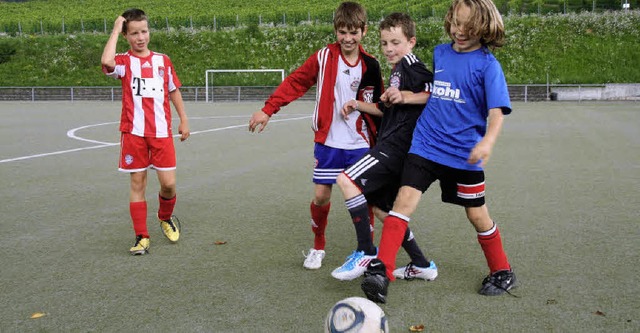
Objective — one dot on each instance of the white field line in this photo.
(72, 134)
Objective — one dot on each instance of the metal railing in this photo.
(519, 92)
(60, 25)
(190, 94)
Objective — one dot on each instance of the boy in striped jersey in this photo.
(375, 178)
(149, 84)
(342, 71)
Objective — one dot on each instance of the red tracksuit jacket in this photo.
(322, 68)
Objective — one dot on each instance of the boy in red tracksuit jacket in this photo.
(343, 71)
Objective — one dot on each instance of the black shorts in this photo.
(459, 187)
(377, 174)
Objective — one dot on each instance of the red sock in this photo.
(393, 230)
(165, 208)
(491, 244)
(319, 221)
(138, 211)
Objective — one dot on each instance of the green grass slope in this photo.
(49, 15)
(575, 48)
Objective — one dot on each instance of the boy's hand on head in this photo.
(119, 24)
(258, 118)
(481, 152)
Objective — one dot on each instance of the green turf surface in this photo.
(562, 185)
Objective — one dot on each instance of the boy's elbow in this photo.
(108, 62)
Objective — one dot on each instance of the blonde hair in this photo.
(485, 21)
(350, 15)
(402, 21)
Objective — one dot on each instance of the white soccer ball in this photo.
(356, 315)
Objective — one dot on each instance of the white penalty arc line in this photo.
(71, 134)
(245, 125)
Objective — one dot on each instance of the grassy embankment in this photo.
(576, 48)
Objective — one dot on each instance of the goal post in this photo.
(210, 73)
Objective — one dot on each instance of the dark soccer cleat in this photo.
(375, 282)
(498, 283)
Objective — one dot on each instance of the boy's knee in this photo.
(168, 190)
(321, 198)
(479, 218)
(407, 200)
(343, 181)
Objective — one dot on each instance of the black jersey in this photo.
(398, 122)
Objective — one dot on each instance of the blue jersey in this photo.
(466, 85)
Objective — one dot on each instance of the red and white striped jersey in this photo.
(146, 83)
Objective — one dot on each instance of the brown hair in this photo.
(401, 20)
(133, 14)
(350, 15)
(484, 22)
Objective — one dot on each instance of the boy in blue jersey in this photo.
(375, 178)
(452, 141)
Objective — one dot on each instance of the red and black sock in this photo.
(360, 215)
(410, 245)
(165, 207)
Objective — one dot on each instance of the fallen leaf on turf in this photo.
(220, 242)
(599, 313)
(416, 328)
(37, 315)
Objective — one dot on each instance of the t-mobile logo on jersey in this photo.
(442, 90)
(137, 86)
(147, 87)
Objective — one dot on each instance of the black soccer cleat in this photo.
(375, 282)
(498, 283)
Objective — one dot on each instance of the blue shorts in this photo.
(330, 162)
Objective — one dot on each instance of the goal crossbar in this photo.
(213, 71)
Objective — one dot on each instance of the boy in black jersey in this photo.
(375, 178)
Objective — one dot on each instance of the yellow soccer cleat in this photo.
(140, 247)
(171, 228)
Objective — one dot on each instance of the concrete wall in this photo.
(617, 91)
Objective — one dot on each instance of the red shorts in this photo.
(140, 153)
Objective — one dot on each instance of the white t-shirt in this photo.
(344, 134)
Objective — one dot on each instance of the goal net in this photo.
(240, 84)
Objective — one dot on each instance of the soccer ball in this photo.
(356, 315)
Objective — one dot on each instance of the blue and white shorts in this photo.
(330, 162)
